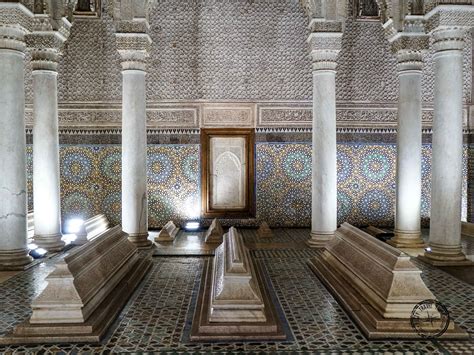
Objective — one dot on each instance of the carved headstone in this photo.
(235, 296)
(215, 232)
(85, 292)
(264, 231)
(377, 284)
(168, 233)
(91, 228)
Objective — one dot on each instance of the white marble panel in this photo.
(228, 183)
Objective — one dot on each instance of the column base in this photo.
(406, 239)
(15, 259)
(318, 239)
(445, 255)
(140, 240)
(50, 242)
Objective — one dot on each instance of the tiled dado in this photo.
(366, 183)
(91, 182)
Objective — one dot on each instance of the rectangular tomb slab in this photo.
(85, 292)
(233, 302)
(377, 284)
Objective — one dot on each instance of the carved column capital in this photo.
(133, 49)
(12, 37)
(409, 60)
(45, 43)
(448, 38)
(325, 47)
(15, 23)
(324, 59)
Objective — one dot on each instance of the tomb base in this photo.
(94, 328)
(331, 268)
(204, 330)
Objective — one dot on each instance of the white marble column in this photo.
(408, 195)
(324, 173)
(134, 145)
(46, 178)
(446, 170)
(13, 199)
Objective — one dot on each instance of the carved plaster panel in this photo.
(94, 116)
(228, 51)
(223, 115)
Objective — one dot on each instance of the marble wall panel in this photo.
(91, 182)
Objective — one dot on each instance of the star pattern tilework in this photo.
(91, 183)
(366, 176)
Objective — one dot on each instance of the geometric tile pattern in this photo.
(366, 183)
(156, 316)
(173, 183)
(91, 183)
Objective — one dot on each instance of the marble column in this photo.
(46, 178)
(446, 181)
(13, 199)
(408, 195)
(134, 146)
(324, 172)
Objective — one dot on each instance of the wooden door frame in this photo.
(249, 136)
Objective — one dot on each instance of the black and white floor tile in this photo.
(154, 320)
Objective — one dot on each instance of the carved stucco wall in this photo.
(226, 50)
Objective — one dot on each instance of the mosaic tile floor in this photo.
(155, 317)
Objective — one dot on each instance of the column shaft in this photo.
(324, 174)
(13, 199)
(134, 153)
(408, 196)
(46, 178)
(446, 170)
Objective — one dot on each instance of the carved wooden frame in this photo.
(206, 208)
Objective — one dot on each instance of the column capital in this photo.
(45, 44)
(448, 38)
(409, 60)
(12, 37)
(325, 47)
(409, 48)
(324, 59)
(131, 26)
(133, 49)
(15, 22)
